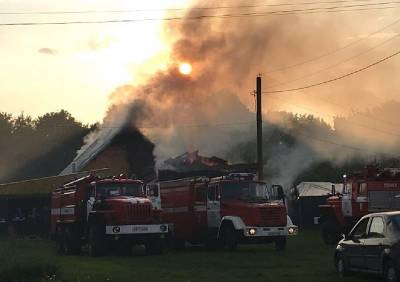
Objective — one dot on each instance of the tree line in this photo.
(38, 147)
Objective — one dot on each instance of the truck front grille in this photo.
(273, 216)
(139, 211)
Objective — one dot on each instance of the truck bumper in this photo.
(258, 232)
(136, 229)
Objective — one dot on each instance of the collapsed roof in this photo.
(315, 189)
(193, 161)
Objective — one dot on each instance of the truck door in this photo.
(347, 207)
(90, 201)
(153, 193)
(213, 206)
(200, 206)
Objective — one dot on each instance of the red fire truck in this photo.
(105, 213)
(372, 190)
(224, 211)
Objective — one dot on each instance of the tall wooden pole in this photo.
(260, 163)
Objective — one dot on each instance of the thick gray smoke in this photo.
(212, 110)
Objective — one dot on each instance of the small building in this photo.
(305, 199)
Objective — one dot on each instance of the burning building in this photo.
(120, 150)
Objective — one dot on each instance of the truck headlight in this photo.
(163, 228)
(292, 230)
(252, 231)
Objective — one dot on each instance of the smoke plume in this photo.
(212, 109)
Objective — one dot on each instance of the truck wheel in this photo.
(177, 244)
(96, 241)
(341, 266)
(330, 233)
(390, 273)
(211, 244)
(229, 239)
(60, 240)
(71, 241)
(11, 230)
(280, 243)
(121, 248)
(154, 246)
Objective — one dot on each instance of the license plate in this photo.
(140, 229)
(274, 233)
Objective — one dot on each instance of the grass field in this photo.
(306, 259)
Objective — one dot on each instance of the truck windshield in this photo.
(244, 191)
(119, 189)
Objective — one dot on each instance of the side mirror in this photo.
(355, 238)
(155, 191)
(152, 190)
(101, 198)
(281, 194)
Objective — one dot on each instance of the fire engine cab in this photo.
(105, 213)
(224, 211)
(372, 190)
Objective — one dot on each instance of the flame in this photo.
(185, 68)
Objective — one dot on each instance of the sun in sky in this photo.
(185, 68)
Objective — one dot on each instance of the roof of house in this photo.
(100, 140)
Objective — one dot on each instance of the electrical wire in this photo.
(334, 79)
(182, 9)
(331, 142)
(333, 116)
(230, 124)
(220, 16)
(332, 52)
(335, 64)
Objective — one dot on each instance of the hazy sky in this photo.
(75, 67)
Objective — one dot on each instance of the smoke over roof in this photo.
(212, 110)
(91, 150)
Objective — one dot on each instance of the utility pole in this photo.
(260, 163)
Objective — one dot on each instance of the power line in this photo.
(336, 78)
(336, 64)
(181, 9)
(348, 121)
(330, 142)
(168, 126)
(361, 113)
(333, 51)
(223, 125)
(384, 121)
(336, 11)
(220, 16)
